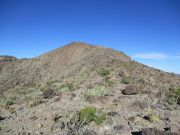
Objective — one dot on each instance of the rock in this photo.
(118, 127)
(175, 128)
(72, 95)
(62, 125)
(130, 90)
(48, 93)
(58, 127)
(2, 118)
(167, 129)
(89, 132)
(121, 74)
(178, 101)
(58, 97)
(57, 117)
(105, 130)
(136, 133)
(152, 131)
(40, 125)
(112, 114)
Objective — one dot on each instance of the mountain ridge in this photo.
(45, 90)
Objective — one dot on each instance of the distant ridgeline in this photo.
(4, 58)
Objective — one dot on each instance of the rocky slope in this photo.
(85, 89)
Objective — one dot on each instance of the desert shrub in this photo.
(126, 80)
(67, 87)
(35, 101)
(6, 102)
(36, 93)
(174, 96)
(177, 93)
(49, 83)
(104, 72)
(108, 82)
(77, 122)
(98, 91)
(75, 125)
(144, 104)
(90, 114)
(141, 81)
(153, 116)
(161, 92)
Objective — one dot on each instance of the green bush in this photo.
(177, 93)
(98, 91)
(6, 102)
(174, 96)
(126, 80)
(83, 117)
(90, 114)
(104, 72)
(144, 104)
(67, 87)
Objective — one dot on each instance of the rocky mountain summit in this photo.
(81, 89)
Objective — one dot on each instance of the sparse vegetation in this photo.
(53, 94)
(153, 116)
(126, 80)
(84, 117)
(141, 81)
(177, 94)
(69, 86)
(144, 104)
(174, 96)
(49, 83)
(6, 102)
(35, 101)
(90, 114)
(108, 82)
(98, 91)
(161, 92)
(104, 72)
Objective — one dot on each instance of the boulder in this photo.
(153, 131)
(112, 114)
(48, 93)
(118, 127)
(178, 101)
(89, 132)
(130, 90)
(121, 74)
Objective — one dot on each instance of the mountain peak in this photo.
(78, 43)
(79, 75)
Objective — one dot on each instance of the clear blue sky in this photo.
(147, 30)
